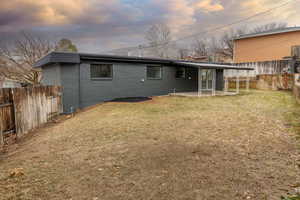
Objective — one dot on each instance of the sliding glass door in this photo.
(207, 79)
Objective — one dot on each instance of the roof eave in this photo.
(76, 58)
(212, 66)
(247, 36)
(58, 57)
(123, 59)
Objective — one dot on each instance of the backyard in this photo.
(237, 147)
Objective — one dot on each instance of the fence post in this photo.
(248, 81)
(14, 100)
(237, 82)
(226, 75)
(1, 136)
(2, 119)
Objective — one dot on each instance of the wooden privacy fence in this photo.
(296, 88)
(23, 109)
(261, 68)
(242, 82)
(266, 82)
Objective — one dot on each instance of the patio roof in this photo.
(210, 65)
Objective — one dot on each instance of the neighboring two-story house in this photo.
(266, 46)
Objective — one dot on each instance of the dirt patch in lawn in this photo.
(241, 147)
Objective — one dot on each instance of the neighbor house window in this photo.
(101, 71)
(180, 72)
(154, 72)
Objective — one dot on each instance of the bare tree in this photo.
(17, 60)
(159, 38)
(226, 42)
(200, 47)
(269, 27)
(183, 53)
(214, 44)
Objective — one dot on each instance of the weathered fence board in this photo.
(23, 109)
(6, 111)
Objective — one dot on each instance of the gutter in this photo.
(128, 60)
(77, 58)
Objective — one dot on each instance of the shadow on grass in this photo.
(293, 119)
(131, 99)
(177, 170)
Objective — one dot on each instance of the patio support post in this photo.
(248, 81)
(226, 81)
(214, 82)
(237, 82)
(199, 82)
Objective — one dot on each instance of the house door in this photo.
(207, 79)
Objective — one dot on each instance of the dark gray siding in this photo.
(70, 83)
(51, 75)
(127, 82)
(220, 79)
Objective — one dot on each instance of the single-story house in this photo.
(88, 79)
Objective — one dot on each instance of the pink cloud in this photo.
(209, 6)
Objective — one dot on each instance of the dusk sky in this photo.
(101, 25)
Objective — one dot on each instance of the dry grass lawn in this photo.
(228, 148)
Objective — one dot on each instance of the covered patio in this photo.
(203, 94)
(213, 79)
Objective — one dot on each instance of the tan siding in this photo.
(265, 48)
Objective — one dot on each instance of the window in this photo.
(154, 72)
(180, 72)
(101, 71)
